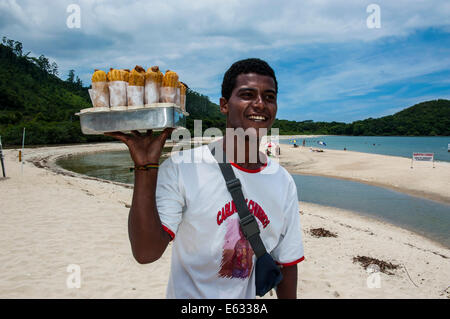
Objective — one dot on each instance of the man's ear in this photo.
(223, 106)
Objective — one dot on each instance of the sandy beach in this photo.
(53, 219)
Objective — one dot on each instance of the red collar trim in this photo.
(249, 170)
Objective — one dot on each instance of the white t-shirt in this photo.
(210, 256)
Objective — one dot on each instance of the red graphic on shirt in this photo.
(237, 254)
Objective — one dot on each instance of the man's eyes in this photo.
(250, 95)
(247, 94)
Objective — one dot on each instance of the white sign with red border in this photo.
(427, 157)
(423, 157)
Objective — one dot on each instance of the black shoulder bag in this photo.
(268, 274)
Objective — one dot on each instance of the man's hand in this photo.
(144, 149)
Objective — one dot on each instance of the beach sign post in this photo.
(23, 144)
(427, 157)
(1, 158)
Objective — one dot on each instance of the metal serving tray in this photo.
(124, 119)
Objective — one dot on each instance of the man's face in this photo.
(252, 104)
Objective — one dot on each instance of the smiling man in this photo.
(188, 202)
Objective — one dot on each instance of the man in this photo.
(188, 202)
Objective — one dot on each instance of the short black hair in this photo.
(252, 65)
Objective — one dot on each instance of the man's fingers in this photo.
(118, 135)
(166, 133)
(125, 138)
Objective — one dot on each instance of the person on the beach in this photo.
(187, 202)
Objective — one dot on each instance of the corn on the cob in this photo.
(170, 79)
(99, 76)
(137, 76)
(182, 88)
(154, 74)
(125, 74)
(117, 75)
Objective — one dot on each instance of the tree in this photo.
(18, 48)
(43, 63)
(54, 68)
(9, 43)
(71, 77)
(79, 83)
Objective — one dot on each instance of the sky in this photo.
(335, 60)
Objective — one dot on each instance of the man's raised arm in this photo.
(148, 238)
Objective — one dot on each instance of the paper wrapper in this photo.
(151, 91)
(135, 95)
(118, 93)
(183, 102)
(168, 94)
(99, 94)
(178, 98)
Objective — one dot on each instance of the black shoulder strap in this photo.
(247, 221)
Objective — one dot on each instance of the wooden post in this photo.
(1, 158)
(23, 144)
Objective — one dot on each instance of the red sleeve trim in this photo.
(171, 234)
(291, 263)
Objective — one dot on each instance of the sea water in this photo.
(403, 146)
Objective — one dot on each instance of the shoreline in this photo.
(76, 219)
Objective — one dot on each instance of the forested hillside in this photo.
(430, 118)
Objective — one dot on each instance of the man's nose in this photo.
(259, 102)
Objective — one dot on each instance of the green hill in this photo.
(200, 107)
(429, 118)
(32, 97)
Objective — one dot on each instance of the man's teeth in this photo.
(257, 118)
